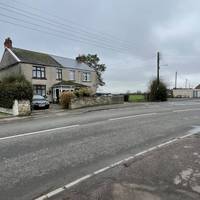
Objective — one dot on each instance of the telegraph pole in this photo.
(175, 80)
(186, 80)
(158, 68)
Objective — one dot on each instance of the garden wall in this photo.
(20, 108)
(96, 101)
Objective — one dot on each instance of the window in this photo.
(39, 90)
(72, 75)
(86, 76)
(38, 72)
(59, 74)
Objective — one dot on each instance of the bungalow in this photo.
(49, 74)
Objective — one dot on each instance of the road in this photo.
(38, 155)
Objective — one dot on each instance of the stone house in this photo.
(49, 74)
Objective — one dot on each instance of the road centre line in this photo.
(185, 110)
(74, 126)
(38, 132)
(76, 182)
(132, 116)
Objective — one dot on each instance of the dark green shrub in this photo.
(157, 92)
(14, 87)
(83, 92)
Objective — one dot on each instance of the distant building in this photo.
(183, 93)
(49, 74)
(187, 92)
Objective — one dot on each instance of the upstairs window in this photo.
(86, 77)
(38, 72)
(71, 75)
(59, 74)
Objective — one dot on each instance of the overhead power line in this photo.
(62, 26)
(61, 33)
(74, 24)
(58, 36)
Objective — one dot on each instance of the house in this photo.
(49, 74)
(187, 92)
(183, 93)
(196, 92)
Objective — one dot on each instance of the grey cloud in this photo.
(172, 27)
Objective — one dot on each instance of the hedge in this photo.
(14, 87)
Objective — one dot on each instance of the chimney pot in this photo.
(8, 43)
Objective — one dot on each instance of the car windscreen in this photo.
(36, 98)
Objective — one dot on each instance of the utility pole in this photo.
(158, 68)
(186, 80)
(175, 80)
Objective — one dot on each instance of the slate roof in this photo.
(71, 63)
(197, 87)
(27, 56)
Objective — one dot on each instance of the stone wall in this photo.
(20, 108)
(95, 101)
(6, 110)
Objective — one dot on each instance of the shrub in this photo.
(65, 99)
(83, 92)
(14, 87)
(158, 92)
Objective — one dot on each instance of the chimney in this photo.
(8, 43)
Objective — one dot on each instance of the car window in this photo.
(38, 97)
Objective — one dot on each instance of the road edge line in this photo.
(142, 153)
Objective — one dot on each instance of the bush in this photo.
(83, 92)
(158, 92)
(65, 99)
(14, 87)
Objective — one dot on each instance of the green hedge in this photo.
(14, 87)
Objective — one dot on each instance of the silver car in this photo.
(39, 102)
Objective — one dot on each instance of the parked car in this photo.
(39, 102)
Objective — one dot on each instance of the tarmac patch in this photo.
(133, 191)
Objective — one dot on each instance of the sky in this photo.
(125, 34)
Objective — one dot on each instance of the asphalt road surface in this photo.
(38, 155)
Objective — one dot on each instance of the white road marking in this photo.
(185, 110)
(38, 132)
(132, 116)
(193, 131)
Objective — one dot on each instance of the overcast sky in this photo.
(126, 34)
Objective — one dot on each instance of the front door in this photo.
(57, 95)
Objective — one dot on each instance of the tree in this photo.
(157, 92)
(14, 87)
(93, 62)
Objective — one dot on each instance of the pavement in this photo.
(44, 152)
(168, 173)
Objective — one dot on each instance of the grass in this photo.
(136, 98)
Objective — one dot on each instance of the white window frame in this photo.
(86, 76)
(72, 75)
(59, 74)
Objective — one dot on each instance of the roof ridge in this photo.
(29, 50)
(62, 57)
